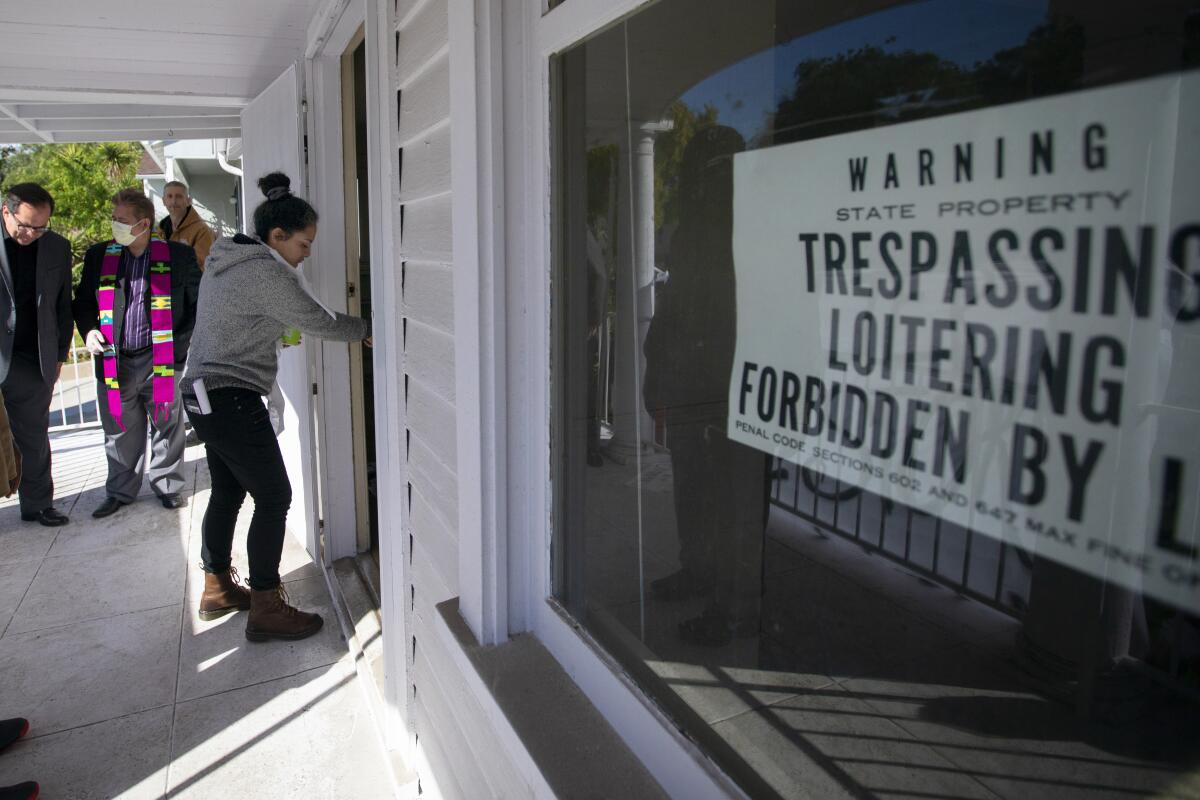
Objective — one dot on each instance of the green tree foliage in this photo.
(602, 178)
(864, 87)
(870, 86)
(82, 179)
(668, 155)
(11, 157)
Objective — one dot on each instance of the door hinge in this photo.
(314, 389)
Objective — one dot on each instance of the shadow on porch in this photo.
(129, 694)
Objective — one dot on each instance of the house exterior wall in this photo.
(453, 540)
(450, 732)
(211, 197)
(463, 749)
(459, 743)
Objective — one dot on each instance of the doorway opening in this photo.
(358, 290)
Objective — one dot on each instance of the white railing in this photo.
(74, 402)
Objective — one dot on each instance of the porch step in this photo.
(354, 585)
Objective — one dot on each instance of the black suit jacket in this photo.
(185, 288)
(54, 323)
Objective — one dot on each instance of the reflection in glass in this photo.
(820, 638)
(719, 485)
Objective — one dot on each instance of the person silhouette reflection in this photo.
(719, 485)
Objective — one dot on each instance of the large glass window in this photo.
(877, 425)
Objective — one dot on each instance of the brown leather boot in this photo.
(223, 595)
(272, 618)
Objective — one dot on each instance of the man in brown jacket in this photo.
(183, 224)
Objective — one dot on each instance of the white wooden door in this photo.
(272, 140)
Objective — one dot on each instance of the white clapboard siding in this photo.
(425, 167)
(453, 734)
(405, 10)
(430, 232)
(444, 782)
(498, 776)
(431, 589)
(435, 483)
(430, 354)
(450, 776)
(428, 295)
(425, 103)
(438, 542)
(432, 419)
(425, 36)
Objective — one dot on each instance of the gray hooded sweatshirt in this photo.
(247, 300)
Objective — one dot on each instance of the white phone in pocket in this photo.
(201, 396)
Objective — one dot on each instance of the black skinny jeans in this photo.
(243, 457)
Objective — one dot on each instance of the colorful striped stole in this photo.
(161, 328)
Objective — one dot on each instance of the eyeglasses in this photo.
(35, 232)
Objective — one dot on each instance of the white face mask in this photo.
(123, 233)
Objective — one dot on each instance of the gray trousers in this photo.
(27, 400)
(126, 449)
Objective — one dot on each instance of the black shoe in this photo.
(680, 586)
(108, 507)
(172, 500)
(29, 790)
(12, 729)
(47, 516)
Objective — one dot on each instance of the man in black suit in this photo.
(35, 336)
(133, 346)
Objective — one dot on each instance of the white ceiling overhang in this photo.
(128, 70)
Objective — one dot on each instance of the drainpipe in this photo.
(223, 159)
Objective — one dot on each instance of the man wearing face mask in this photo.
(136, 307)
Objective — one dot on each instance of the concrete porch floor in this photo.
(130, 695)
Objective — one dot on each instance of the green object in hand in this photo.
(291, 337)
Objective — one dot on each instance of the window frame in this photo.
(503, 186)
(504, 237)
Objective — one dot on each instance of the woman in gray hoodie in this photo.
(249, 295)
